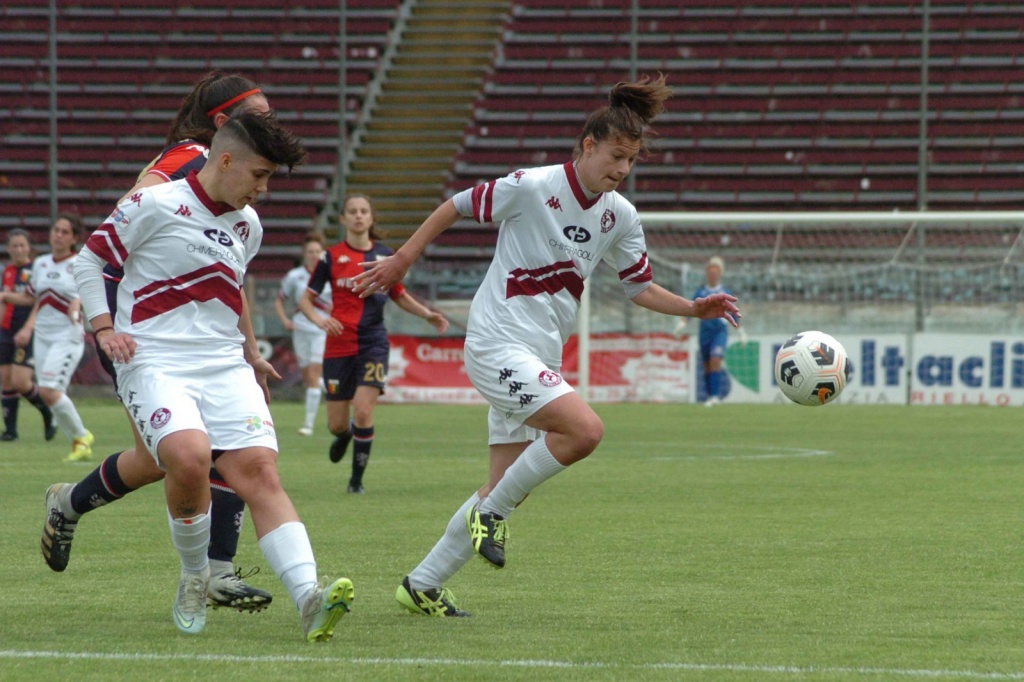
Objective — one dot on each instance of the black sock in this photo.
(9, 400)
(227, 512)
(362, 441)
(32, 395)
(101, 487)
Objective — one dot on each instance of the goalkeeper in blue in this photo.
(713, 335)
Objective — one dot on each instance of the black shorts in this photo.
(343, 375)
(10, 354)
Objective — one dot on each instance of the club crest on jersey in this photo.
(607, 221)
(160, 417)
(549, 378)
(242, 230)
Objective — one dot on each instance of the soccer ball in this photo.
(812, 368)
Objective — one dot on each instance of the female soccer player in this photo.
(16, 361)
(56, 319)
(307, 339)
(356, 355)
(207, 107)
(557, 223)
(713, 336)
(188, 370)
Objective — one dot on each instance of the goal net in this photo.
(855, 273)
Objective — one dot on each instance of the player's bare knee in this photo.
(186, 465)
(586, 435)
(363, 418)
(259, 473)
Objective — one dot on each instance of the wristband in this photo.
(96, 332)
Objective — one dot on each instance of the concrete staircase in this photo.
(404, 153)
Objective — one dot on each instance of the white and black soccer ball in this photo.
(812, 368)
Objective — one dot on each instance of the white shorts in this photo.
(226, 403)
(56, 360)
(517, 384)
(309, 346)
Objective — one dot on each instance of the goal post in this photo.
(882, 273)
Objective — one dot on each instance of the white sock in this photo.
(533, 467)
(450, 553)
(66, 416)
(191, 537)
(312, 405)
(287, 550)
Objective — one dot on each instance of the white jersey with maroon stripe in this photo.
(53, 284)
(184, 257)
(293, 288)
(551, 238)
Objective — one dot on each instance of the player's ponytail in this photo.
(631, 107)
(215, 93)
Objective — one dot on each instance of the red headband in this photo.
(233, 100)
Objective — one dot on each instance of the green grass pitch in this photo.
(736, 543)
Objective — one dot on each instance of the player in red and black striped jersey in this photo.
(203, 111)
(356, 353)
(16, 363)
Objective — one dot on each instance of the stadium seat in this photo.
(124, 67)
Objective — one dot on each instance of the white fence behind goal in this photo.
(839, 272)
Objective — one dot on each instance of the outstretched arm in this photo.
(663, 301)
(382, 274)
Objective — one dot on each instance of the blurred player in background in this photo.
(557, 223)
(307, 339)
(713, 335)
(16, 365)
(54, 328)
(188, 364)
(207, 107)
(356, 355)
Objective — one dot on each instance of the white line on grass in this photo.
(524, 663)
(767, 452)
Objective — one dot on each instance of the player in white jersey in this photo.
(308, 340)
(187, 362)
(203, 110)
(556, 224)
(58, 342)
